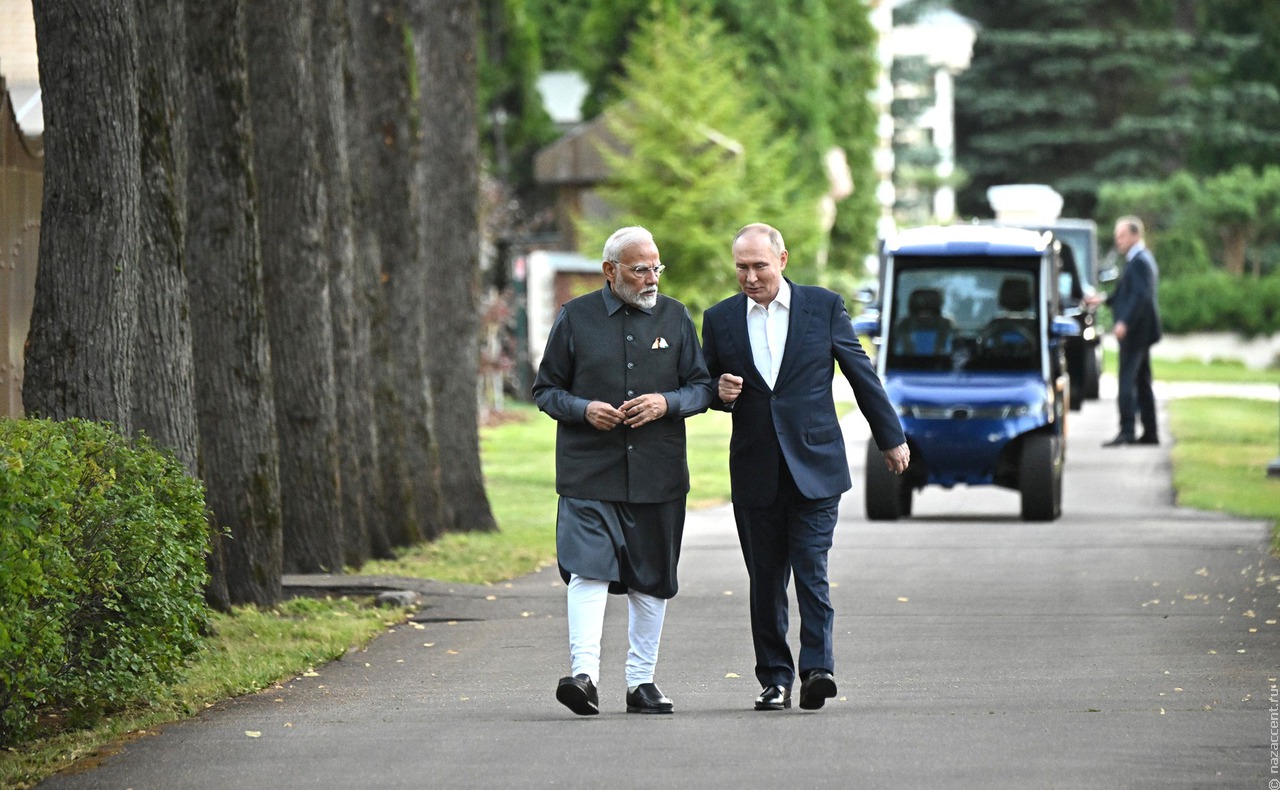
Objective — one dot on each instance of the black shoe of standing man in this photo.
(578, 694)
(816, 689)
(1121, 440)
(774, 698)
(647, 698)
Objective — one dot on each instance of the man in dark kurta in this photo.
(621, 372)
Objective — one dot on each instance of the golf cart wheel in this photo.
(1040, 479)
(883, 488)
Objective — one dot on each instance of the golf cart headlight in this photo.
(1024, 409)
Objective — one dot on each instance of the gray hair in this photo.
(1134, 224)
(775, 237)
(623, 238)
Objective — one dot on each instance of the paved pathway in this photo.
(1129, 644)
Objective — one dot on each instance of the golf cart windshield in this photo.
(960, 317)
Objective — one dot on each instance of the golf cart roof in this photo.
(985, 240)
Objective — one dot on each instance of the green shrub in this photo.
(1219, 302)
(102, 570)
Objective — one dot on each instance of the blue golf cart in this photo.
(970, 337)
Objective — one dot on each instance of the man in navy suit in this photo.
(1136, 311)
(772, 350)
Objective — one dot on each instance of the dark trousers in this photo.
(792, 536)
(1135, 397)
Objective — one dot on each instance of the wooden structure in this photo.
(21, 193)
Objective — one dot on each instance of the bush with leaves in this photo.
(1219, 302)
(102, 570)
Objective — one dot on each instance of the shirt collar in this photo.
(782, 299)
(613, 304)
(1137, 247)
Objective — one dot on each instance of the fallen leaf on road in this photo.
(903, 599)
(1202, 572)
(311, 673)
(733, 675)
(253, 733)
(491, 597)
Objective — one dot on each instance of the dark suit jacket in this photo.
(1134, 301)
(797, 418)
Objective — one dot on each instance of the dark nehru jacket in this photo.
(603, 349)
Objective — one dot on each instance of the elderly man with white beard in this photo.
(621, 372)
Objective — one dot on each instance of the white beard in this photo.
(632, 297)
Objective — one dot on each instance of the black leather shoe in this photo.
(646, 698)
(816, 689)
(1147, 438)
(1120, 441)
(774, 698)
(578, 694)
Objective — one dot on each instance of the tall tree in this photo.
(451, 250)
(295, 263)
(163, 377)
(388, 142)
(814, 64)
(80, 346)
(239, 451)
(1072, 93)
(354, 395)
(699, 157)
(514, 124)
(384, 512)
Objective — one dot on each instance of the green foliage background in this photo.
(700, 158)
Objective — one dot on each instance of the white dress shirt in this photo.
(767, 330)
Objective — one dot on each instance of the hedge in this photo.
(102, 571)
(1219, 302)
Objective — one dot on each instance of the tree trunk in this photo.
(163, 377)
(239, 453)
(296, 269)
(446, 37)
(387, 143)
(80, 346)
(354, 396)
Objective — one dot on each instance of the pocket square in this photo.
(661, 342)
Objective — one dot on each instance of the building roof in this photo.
(19, 65)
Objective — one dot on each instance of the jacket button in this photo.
(631, 448)
(630, 365)
(631, 393)
(630, 338)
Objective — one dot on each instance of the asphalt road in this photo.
(1129, 644)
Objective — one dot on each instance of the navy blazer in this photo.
(1134, 301)
(797, 418)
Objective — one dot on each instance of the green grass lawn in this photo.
(1220, 371)
(1220, 454)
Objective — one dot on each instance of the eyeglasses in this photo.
(643, 271)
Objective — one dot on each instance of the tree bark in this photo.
(296, 269)
(80, 345)
(445, 31)
(354, 395)
(387, 143)
(163, 376)
(239, 452)
(370, 311)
